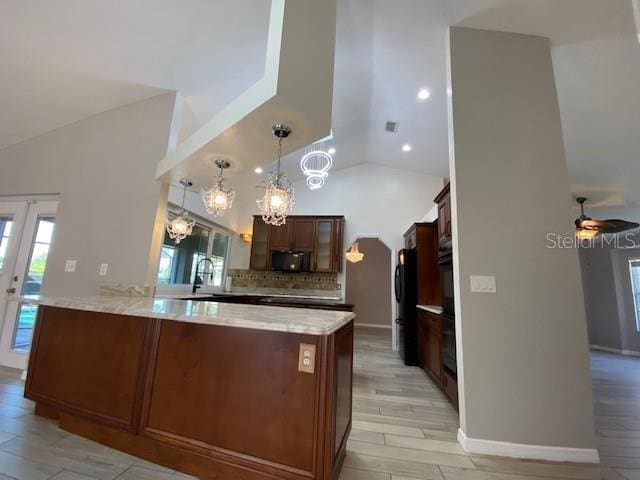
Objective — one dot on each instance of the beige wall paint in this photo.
(523, 352)
(110, 207)
(369, 284)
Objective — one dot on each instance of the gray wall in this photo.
(110, 207)
(601, 303)
(524, 368)
(368, 284)
(608, 293)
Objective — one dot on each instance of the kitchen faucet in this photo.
(197, 281)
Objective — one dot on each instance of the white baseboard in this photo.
(372, 325)
(531, 452)
(630, 353)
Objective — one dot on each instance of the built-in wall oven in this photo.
(445, 264)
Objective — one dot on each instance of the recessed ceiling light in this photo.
(258, 170)
(406, 147)
(331, 151)
(423, 94)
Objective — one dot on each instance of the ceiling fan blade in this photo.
(608, 226)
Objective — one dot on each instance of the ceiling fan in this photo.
(586, 227)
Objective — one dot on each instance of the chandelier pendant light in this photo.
(277, 202)
(353, 254)
(315, 166)
(219, 198)
(180, 225)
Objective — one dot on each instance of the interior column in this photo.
(523, 359)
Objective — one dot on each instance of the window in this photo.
(5, 233)
(634, 269)
(178, 262)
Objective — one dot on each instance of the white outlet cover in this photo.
(70, 266)
(103, 269)
(483, 284)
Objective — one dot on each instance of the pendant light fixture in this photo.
(180, 225)
(219, 198)
(353, 254)
(278, 198)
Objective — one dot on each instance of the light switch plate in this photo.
(483, 284)
(70, 266)
(307, 358)
(103, 269)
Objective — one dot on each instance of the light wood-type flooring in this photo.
(403, 429)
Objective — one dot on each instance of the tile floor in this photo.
(403, 429)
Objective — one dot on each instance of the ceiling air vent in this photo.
(391, 127)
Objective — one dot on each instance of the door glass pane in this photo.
(32, 283)
(218, 255)
(5, 234)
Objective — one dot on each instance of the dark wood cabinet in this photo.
(430, 348)
(235, 407)
(260, 253)
(423, 339)
(321, 236)
(424, 238)
(444, 214)
(281, 238)
(303, 234)
(450, 387)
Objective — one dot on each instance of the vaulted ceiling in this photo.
(63, 61)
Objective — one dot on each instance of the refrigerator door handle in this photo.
(398, 286)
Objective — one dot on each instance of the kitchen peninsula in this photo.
(216, 390)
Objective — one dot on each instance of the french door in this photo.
(26, 234)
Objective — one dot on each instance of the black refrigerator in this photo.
(406, 287)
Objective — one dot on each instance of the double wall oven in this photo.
(445, 265)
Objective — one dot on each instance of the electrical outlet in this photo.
(483, 284)
(103, 269)
(307, 358)
(70, 266)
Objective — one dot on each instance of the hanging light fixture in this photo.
(353, 254)
(219, 198)
(315, 165)
(278, 198)
(180, 226)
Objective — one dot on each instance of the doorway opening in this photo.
(368, 284)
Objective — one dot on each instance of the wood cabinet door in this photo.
(422, 340)
(447, 216)
(260, 255)
(442, 220)
(304, 230)
(281, 236)
(338, 244)
(434, 363)
(324, 259)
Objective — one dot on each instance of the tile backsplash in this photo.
(281, 280)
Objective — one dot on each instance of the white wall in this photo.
(374, 200)
(110, 207)
(523, 352)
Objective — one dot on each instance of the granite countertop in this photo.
(430, 308)
(280, 319)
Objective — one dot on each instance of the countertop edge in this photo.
(87, 305)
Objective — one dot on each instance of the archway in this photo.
(368, 284)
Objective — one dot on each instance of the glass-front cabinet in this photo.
(321, 236)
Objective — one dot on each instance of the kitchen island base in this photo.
(217, 402)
